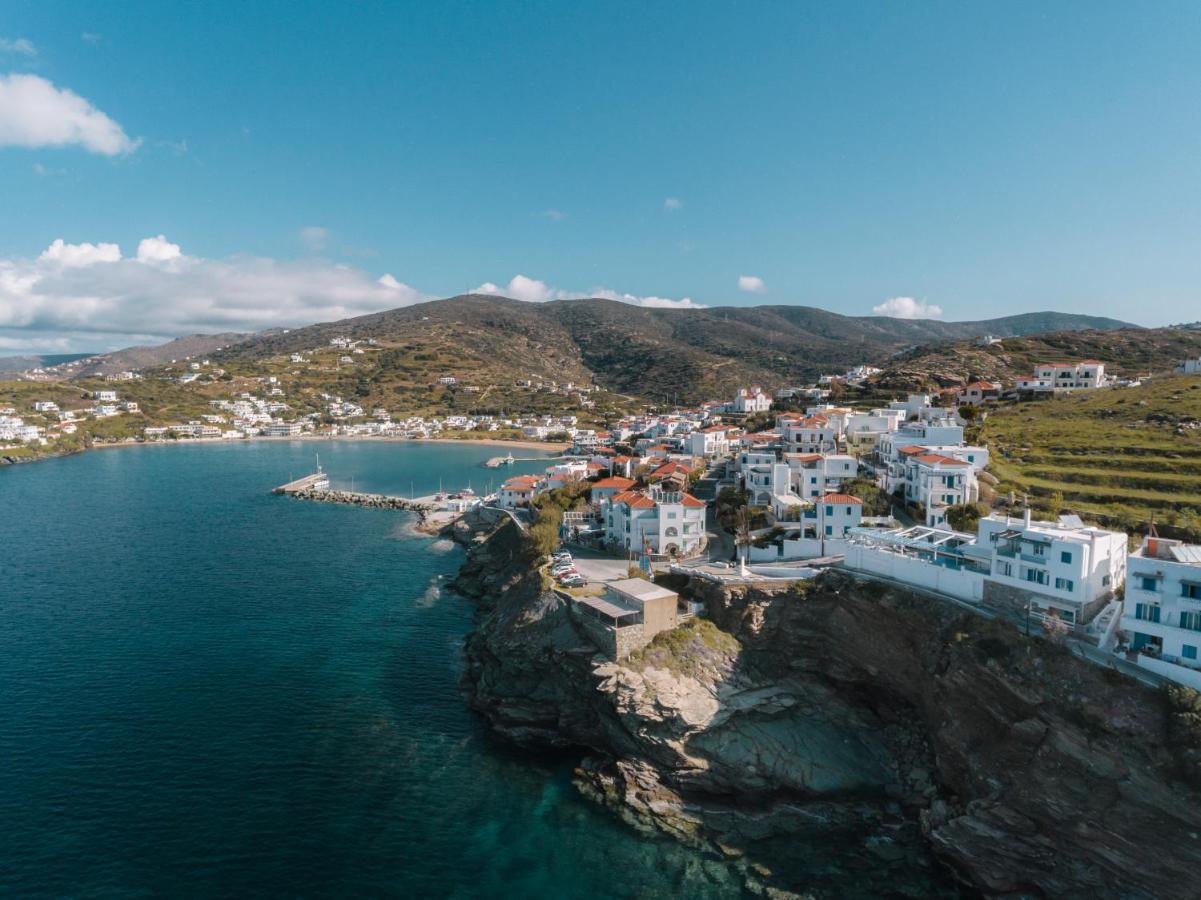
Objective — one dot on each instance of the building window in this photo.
(1190, 621)
(1064, 584)
(829, 530)
(1147, 583)
(1147, 612)
(1191, 591)
(829, 510)
(1065, 556)
(1188, 651)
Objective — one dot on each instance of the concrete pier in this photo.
(307, 483)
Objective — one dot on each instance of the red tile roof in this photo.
(691, 501)
(616, 481)
(939, 459)
(634, 499)
(842, 498)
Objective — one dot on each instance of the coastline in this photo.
(548, 446)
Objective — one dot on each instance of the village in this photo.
(660, 489)
(772, 486)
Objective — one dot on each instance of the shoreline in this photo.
(548, 446)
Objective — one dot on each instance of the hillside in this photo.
(146, 357)
(657, 354)
(1125, 351)
(1117, 456)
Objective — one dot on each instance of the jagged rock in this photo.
(878, 732)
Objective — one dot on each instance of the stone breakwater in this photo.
(373, 501)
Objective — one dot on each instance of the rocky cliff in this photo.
(844, 739)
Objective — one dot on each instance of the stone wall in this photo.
(1012, 599)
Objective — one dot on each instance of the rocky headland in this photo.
(845, 739)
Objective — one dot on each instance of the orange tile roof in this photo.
(842, 498)
(616, 481)
(691, 501)
(634, 499)
(939, 459)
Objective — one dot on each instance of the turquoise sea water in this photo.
(209, 690)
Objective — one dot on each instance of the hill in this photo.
(15, 364)
(1118, 456)
(1125, 351)
(687, 355)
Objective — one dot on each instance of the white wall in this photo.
(965, 585)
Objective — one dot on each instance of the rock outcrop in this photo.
(847, 739)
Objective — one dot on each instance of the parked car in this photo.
(576, 582)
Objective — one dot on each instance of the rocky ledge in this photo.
(845, 739)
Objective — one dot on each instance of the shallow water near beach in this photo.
(208, 690)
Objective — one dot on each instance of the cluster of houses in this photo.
(54, 422)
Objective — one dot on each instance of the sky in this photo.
(176, 168)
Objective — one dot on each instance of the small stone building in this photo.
(630, 613)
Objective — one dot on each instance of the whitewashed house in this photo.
(749, 401)
(816, 474)
(1026, 568)
(518, 491)
(711, 442)
(665, 522)
(1162, 611)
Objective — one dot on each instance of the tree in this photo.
(1055, 628)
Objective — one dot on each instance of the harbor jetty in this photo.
(422, 505)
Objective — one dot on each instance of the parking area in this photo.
(595, 567)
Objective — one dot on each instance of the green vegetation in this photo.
(547, 510)
(965, 516)
(696, 648)
(1119, 456)
(875, 501)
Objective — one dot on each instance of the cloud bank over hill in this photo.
(91, 296)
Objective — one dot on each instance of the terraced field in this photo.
(1119, 456)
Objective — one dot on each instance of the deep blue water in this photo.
(206, 689)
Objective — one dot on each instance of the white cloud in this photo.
(314, 237)
(907, 308)
(552, 215)
(157, 250)
(19, 46)
(79, 255)
(91, 37)
(97, 298)
(35, 113)
(522, 287)
(752, 284)
(673, 203)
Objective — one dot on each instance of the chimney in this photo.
(1027, 517)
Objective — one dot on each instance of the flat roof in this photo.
(608, 607)
(640, 589)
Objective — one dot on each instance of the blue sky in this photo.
(980, 158)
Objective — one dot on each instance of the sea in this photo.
(209, 690)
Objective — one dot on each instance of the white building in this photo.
(281, 429)
(1162, 610)
(812, 434)
(816, 474)
(1027, 568)
(938, 482)
(1050, 377)
(751, 400)
(711, 442)
(667, 523)
(518, 491)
